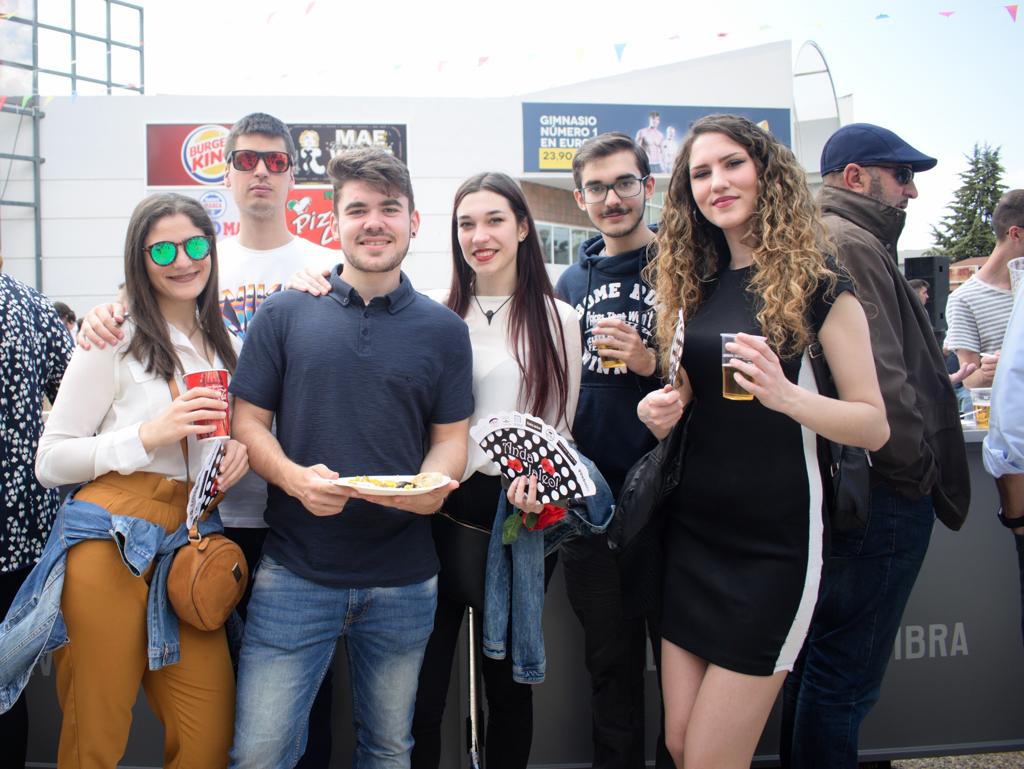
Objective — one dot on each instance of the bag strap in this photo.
(193, 534)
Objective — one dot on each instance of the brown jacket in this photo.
(925, 453)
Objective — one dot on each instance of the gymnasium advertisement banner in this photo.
(552, 133)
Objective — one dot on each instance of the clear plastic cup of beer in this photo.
(981, 398)
(730, 389)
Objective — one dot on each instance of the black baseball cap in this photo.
(870, 145)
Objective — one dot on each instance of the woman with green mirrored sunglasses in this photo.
(165, 252)
(116, 432)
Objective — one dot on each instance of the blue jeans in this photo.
(867, 580)
(291, 631)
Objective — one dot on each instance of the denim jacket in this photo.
(514, 585)
(34, 625)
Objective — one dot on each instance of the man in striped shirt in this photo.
(979, 311)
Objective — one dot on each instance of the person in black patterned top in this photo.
(35, 348)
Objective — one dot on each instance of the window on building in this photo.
(560, 244)
(652, 215)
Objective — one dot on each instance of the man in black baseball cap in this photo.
(920, 473)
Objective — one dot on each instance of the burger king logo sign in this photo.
(202, 154)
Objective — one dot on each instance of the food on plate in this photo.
(421, 481)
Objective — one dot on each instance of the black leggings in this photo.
(463, 554)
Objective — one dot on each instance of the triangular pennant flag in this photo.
(3, 101)
(881, 16)
(619, 48)
(722, 34)
(482, 60)
(24, 101)
(1012, 10)
(48, 99)
(947, 14)
(309, 8)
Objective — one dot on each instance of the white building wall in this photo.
(95, 154)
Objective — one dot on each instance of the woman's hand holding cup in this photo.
(181, 418)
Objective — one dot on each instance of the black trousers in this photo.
(615, 654)
(318, 741)
(463, 554)
(13, 723)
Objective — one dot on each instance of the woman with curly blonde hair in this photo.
(741, 250)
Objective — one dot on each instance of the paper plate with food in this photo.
(395, 485)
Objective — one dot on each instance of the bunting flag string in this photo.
(1012, 10)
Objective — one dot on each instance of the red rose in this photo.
(548, 515)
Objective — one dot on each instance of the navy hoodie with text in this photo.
(606, 426)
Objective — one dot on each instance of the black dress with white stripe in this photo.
(746, 529)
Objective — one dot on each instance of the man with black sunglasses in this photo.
(920, 473)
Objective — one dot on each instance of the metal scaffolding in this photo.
(19, 67)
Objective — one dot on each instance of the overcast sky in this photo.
(942, 80)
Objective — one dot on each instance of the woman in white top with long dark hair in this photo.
(526, 347)
(116, 425)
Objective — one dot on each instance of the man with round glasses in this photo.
(613, 181)
(920, 473)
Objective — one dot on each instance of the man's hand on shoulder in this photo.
(101, 326)
(310, 281)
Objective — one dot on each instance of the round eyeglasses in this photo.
(165, 252)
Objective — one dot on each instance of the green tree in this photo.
(967, 230)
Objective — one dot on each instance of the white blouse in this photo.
(496, 377)
(104, 398)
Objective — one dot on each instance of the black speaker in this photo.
(934, 270)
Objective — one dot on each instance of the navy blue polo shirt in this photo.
(355, 387)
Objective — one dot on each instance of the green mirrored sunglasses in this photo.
(165, 252)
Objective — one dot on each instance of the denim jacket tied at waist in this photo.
(514, 585)
(34, 624)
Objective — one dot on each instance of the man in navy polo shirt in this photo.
(375, 380)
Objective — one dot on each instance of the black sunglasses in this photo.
(902, 174)
(165, 252)
(277, 162)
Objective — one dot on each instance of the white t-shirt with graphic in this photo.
(247, 277)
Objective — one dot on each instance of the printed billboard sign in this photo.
(317, 144)
(183, 155)
(552, 133)
(308, 212)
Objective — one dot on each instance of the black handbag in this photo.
(845, 470)
(636, 533)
